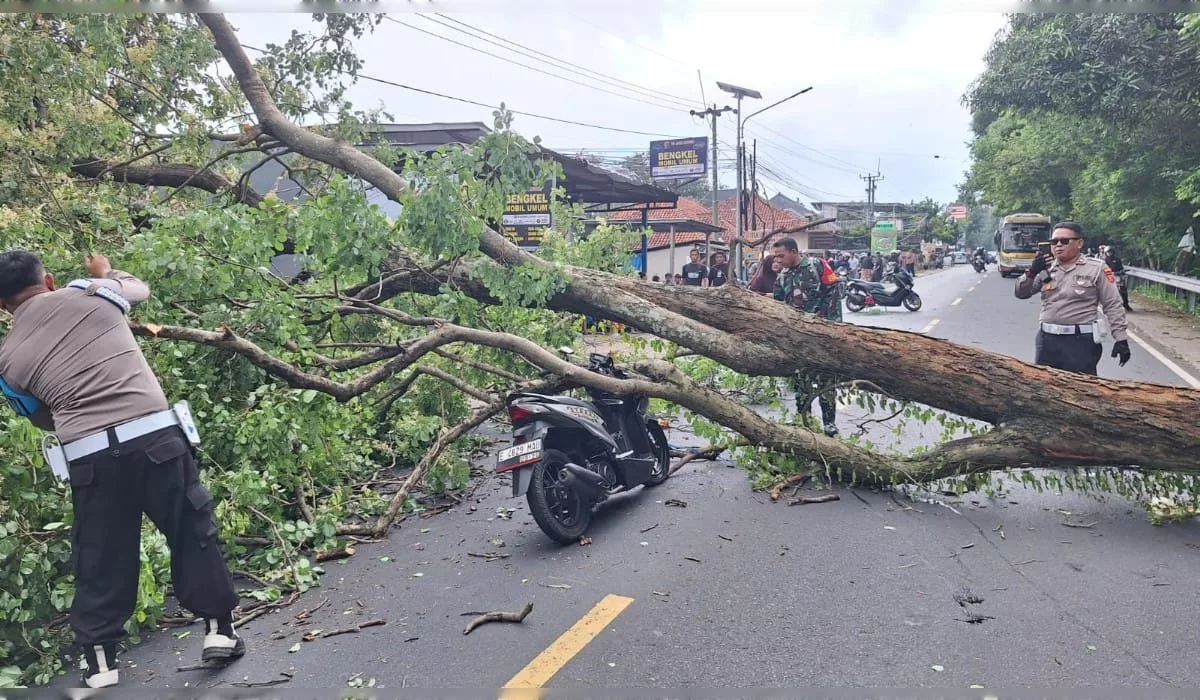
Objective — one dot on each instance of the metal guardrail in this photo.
(1191, 285)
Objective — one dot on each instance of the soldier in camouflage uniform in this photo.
(799, 284)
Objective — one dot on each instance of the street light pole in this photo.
(739, 93)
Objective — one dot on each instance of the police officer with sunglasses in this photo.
(1073, 286)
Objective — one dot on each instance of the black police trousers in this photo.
(1074, 353)
(154, 474)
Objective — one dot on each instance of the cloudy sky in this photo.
(887, 79)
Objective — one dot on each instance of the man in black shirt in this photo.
(695, 274)
(718, 274)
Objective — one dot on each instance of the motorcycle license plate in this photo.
(519, 455)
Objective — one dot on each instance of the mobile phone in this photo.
(1044, 248)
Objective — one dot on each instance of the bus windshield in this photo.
(1023, 238)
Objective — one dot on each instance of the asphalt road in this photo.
(734, 591)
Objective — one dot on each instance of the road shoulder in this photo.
(1173, 333)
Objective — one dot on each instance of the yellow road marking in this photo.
(543, 667)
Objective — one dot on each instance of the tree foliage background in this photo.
(1093, 117)
(126, 135)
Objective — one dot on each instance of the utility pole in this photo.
(871, 180)
(713, 113)
(753, 183)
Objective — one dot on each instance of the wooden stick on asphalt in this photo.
(499, 617)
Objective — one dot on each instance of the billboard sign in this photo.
(527, 216)
(679, 159)
(883, 237)
(958, 212)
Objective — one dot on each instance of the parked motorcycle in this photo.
(570, 455)
(861, 294)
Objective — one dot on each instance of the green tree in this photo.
(1093, 117)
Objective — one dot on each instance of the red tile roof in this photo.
(767, 218)
(685, 208)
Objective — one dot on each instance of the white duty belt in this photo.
(179, 415)
(1057, 329)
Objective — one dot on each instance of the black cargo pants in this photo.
(154, 474)
(1074, 353)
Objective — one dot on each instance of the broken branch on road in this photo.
(806, 500)
(499, 617)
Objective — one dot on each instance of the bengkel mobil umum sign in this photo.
(679, 158)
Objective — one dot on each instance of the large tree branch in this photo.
(165, 175)
(1128, 423)
(337, 153)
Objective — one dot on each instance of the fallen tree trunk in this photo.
(1042, 417)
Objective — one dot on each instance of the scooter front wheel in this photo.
(912, 302)
(662, 454)
(559, 510)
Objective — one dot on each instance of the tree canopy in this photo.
(1093, 117)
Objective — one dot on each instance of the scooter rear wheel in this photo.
(559, 510)
(855, 303)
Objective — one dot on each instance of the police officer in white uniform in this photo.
(1072, 287)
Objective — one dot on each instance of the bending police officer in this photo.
(1072, 286)
(70, 364)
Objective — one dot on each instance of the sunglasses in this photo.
(1062, 241)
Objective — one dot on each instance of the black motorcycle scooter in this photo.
(570, 455)
(861, 294)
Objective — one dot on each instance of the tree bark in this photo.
(165, 175)
(1042, 417)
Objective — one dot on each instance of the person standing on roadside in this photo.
(695, 274)
(718, 274)
(1072, 286)
(70, 364)
(799, 285)
(1113, 260)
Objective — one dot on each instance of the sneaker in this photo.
(831, 430)
(221, 645)
(101, 671)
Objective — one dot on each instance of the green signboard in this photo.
(883, 237)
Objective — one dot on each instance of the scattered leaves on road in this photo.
(938, 667)
(888, 527)
(677, 503)
(584, 540)
(295, 648)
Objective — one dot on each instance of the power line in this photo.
(627, 40)
(567, 65)
(465, 100)
(532, 68)
(785, 137)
